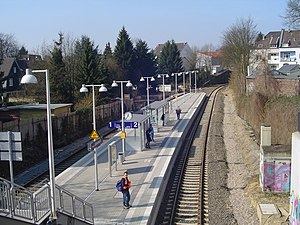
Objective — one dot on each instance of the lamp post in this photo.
(190, 74)
(123, 135)
(29, 78)
(175, 74)
(195, 71)
(147, 88)
(176, 88)
(183, 74)
(163, 77)
(84, 89)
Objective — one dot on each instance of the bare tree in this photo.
(8, 46)
(237, 43)
(292, 14)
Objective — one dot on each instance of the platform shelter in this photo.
(155, 111)
(136, 137)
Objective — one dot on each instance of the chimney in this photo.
(265, 135)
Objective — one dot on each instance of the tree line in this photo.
(73, 62)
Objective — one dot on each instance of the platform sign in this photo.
(118, 124)
(10, 142)
(10, 149)
(123, 135)
(94, 135)
(91, 145)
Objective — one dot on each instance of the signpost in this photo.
(10, 149)
(94, 144)
(118, 124)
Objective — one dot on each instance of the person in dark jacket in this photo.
(178, 111)
(148, 138)
(126, 184)
(163, 119)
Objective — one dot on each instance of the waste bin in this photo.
(120, 157)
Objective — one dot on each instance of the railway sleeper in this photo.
(192, 175)
(186, 218)
(191, 182)
(190, 179)
(187, 208)
(188, 202)
(194, 169)
(185, 196)
(190, 190)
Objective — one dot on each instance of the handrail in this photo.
(18, 202)
(72, 205)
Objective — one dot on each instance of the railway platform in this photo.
(146, 170)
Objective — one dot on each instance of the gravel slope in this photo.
(233, 165)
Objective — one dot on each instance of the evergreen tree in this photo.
(144, 64)
(60, 92)
(87, 63)
(169, 59)
(124, 54)
(22, 51)
(108, 66)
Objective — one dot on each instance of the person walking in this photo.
(148, 138)
(126, 184)
(178, 111)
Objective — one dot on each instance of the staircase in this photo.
(27, 207)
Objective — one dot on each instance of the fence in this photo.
(19, 203)
(65, 127)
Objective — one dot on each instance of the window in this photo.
(11, 82)
(15, 69)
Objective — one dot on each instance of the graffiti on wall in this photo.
(277, 176)
(294, 209)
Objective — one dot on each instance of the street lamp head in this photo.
(28, 78)
(152, 79)
(128, 84)
(180, 74)
(114, 84)
(142, 79)
(83, 89)
(186, 72)
(167, 75)
(102, 88)
(173, 74)
(158, 76)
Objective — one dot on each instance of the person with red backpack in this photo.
(126, 184)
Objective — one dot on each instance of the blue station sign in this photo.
(118, 124)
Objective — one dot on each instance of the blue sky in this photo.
(197, 22)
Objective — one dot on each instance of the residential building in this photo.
(186, 54)
(31, 57)
(11, 72)
(274, 64)
(211, 61)
(277, 48)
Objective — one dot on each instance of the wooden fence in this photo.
(65, 127)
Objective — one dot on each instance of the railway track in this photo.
(187, 198)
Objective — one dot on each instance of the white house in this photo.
(209, 60)
(277, 48)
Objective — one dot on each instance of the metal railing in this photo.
(19, 203)
(74, 206)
